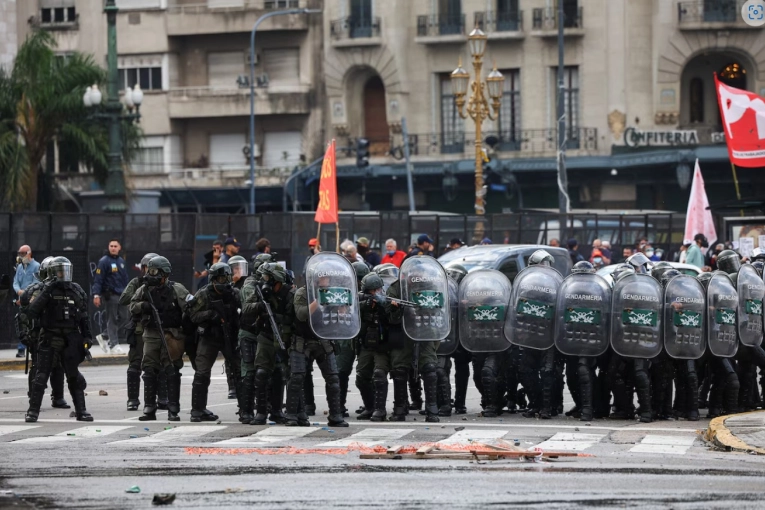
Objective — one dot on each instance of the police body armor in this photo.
(373, 335)
(424, 282)
(531, 318)
(583, 315)
(448, 345)
(636, 316)
(750, 296)
(165, 300)
(483, 301)
(684, 310)
(722, 307)
(63, 308)
(331, 283)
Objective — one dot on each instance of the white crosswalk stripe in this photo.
(271, 435)
(565, 441)
(480, 436)
(368, 437)
(75, 434)
(12, 429)
(177, 434)
(673, 445)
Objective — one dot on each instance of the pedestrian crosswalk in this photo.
(238, 436)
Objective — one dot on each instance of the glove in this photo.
(146, 307)
(260, 308)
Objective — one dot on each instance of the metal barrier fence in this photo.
(185, 238)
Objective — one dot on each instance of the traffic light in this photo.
(362, 153)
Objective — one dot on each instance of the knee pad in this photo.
(133, 370)
(380, 375)
(298, 363)
(261, 376)
(201, 380)
(487, 373)
(81, 383)
(428, 368)
(731, 381)
(400, 374)
(332, 380)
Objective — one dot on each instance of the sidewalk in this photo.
(740, 432)
(9, 361)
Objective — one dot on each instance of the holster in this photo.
(130, 335)
(175, 346)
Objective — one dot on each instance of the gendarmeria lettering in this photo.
(640, 297)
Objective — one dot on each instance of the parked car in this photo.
(508, 259)
(688, 269)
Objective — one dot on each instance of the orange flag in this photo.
(326, 212)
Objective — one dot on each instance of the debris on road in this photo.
(5, 392)
(133, 490)
(163, 499)
(102, 393)
(475, 451)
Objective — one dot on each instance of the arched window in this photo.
(696, 95)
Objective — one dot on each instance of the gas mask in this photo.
(154, 277)
(221, 284)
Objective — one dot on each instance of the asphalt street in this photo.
(61, 463)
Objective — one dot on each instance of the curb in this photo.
(720, 435)
(99, 361)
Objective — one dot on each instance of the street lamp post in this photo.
(252, 91)
(478, 107)
(114, 191)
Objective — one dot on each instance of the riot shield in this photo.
(722, 306)
(423, 281)
(484, 297)
(530, 321)
(333, 301)
(684, 309)
(750, 293)
(449, 344)
(636, 316)
(583, 315)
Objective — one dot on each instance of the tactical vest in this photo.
(63, 309)
(278, 304)
(165, 300)
(372, 331)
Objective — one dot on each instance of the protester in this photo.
(684, 251)
(108, 285)
(231, 247)
(424, 246)
(455, 244)
(211, 257)
(602, 253)
(392, 254)
(26, 275)
(554, 242)
(371, 257)
(485, 241)
(573, 251)
(627, 252)
(695, 257)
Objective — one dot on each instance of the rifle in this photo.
(155, 315)
(218, 307)
(399, 302)
(274, 326)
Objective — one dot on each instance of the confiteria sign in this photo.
(636, 138)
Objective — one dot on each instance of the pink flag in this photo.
(699, 218)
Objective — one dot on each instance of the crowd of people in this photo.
(356, 308)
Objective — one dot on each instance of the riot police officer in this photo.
(461, 357)
(62, 311)
(135, 341)
(28, 333)
(279, 295)
(159, 305)
(216, 312)
(239, 271)
(373, 336)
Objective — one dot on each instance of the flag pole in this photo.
(735, 183)
(318, 233)
(337, 237)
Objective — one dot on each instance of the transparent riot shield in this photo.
(531, 318)
(722, 306)
(423, 281)
(448, 345)
(583, 315)
(750, 295)
(684, 314)
(333, 300)
(636, 316)
(483, 300)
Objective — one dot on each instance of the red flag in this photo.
(743, 116)
(326, 212)
(699, 219)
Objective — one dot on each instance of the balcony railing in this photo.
(231, 6)
(530, 141)
(440, 24)
(353, 28)
(503, 21)
(547, 18)
(693, 12)
(37, 22)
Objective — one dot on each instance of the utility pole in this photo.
(563, 198)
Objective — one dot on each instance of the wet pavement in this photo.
(61, 463)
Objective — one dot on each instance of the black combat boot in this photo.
(344, 393)
(37, 392)
(133, 389)
(367, 392)
(461, 379)
(149, 396)
(585, 378)
(57, 389)
(294, 400)
(380, 396)
(335, 418)
(162, 397)
(415, 390)
(309, 402)
(173, 378)
(276, 393)
(400, 396)
(261, 397)
(489, 396)
(77, 390)
(444, 393)
(246, 396)
(643, 390)
(430, 384)
(231, 380)
(199, 389)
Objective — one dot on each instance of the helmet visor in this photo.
(240, 269)
(62, 272)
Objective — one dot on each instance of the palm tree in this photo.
(41, 101)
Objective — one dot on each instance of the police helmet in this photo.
(640, 262)
(621, 271)
(361, 269)
(541, 258)
(667, 275)
(386, 269)
(146, 258)
(759, 265)
(660, 268)
(275, 272)
(42, 273)
(728, 261)
(239, 266)
(371, 282)
(61, 269)
(705, 277)
(583, 266)
(456, 272)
